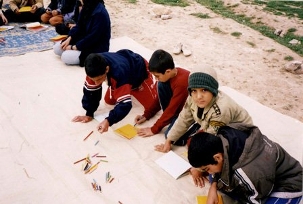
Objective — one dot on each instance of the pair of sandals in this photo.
(182, 48)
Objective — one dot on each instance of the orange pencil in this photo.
(111, 180)
(88, 135)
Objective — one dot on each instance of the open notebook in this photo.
(173, 164)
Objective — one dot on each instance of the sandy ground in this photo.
(256, 71)
(252, 64)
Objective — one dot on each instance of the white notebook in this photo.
(173, 164)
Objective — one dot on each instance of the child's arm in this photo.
(212, 197)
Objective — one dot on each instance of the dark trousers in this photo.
(165, 94)
(24, 16)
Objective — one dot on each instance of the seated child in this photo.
(58, 11)
(206, 107)
(14, 15)
(64, 27)
(172, 92)
(247, 166)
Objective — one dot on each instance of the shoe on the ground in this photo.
(166, 17)
(177, 49)
(186, 51)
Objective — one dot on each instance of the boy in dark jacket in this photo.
(127, 74)
(246, 166)
(172, 92)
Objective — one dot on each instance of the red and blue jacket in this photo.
(127, 71)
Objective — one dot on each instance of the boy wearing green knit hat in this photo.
(206, 109)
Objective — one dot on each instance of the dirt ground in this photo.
(252, 64)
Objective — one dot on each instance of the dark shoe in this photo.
(192, 130)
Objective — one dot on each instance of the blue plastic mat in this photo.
(20, 41)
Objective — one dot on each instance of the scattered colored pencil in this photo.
(80, 160)
(88, 135)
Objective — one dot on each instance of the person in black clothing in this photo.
(91, 34)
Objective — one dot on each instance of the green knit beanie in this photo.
(206, 79)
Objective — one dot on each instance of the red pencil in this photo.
(88, 135)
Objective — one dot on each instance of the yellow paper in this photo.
(3, 29)
(58, 37)
(203, 199)
(128, 131)
(25, 9)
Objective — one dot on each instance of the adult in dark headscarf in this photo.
(90, 35)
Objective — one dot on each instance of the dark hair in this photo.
(203, 146)
(95, 65)
(160, 61)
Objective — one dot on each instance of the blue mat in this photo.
(21, 41)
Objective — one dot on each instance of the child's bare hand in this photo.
(198, 179)
(55, 13)
(82, 119)
(163, 147)
(34, 8)
(144, 132)
(65, 43)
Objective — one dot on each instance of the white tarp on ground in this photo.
(39, 96)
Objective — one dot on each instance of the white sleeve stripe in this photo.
(240, 174)
(92, 89)
(124, 97)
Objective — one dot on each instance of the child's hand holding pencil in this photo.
(103, 126)
(139, 119)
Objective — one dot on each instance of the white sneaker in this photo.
(186, 51)
(177, 49)
(166, 17)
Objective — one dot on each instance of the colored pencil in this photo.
(80, 160)
(88, 135)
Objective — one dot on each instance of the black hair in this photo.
(160, 61)
(95, 65)
(202, 148)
